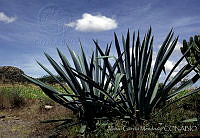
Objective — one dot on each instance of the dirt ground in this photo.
(25, 121)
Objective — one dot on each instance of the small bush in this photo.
(11, 99)
(49, 79)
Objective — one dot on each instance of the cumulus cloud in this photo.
(91, 23)
(6, 19)
(178, 46)
(169, 65)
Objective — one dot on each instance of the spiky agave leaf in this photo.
(140, 85)
(53, 94)
(90, 95)
(96, 90)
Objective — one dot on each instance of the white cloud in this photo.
(173, 74)
(169, 65)
(6, 19)
(153, 63)
(91, 23)
(178, 46)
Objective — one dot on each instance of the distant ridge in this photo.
(11, 75)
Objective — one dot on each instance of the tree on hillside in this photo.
(49, 79)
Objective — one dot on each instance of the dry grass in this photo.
(11, 99)
(25, 121)
(23, 107)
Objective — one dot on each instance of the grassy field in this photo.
(9, 92)
(16, 95)
(23, 106)
(23, 100)
(26, 91)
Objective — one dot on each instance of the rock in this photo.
(48, 107)
(10, 74)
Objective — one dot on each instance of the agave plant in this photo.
(140, 84)
(89, 83)
(194, 53)
(126, 88)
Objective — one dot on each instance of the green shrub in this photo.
(11, 99)
(49, 79)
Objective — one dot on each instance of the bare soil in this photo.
(25, 121)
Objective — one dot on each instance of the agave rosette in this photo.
(126, 88)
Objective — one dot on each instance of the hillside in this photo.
(10, 74)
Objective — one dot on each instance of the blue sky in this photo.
(30, 27)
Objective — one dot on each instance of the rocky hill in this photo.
(10, 74)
